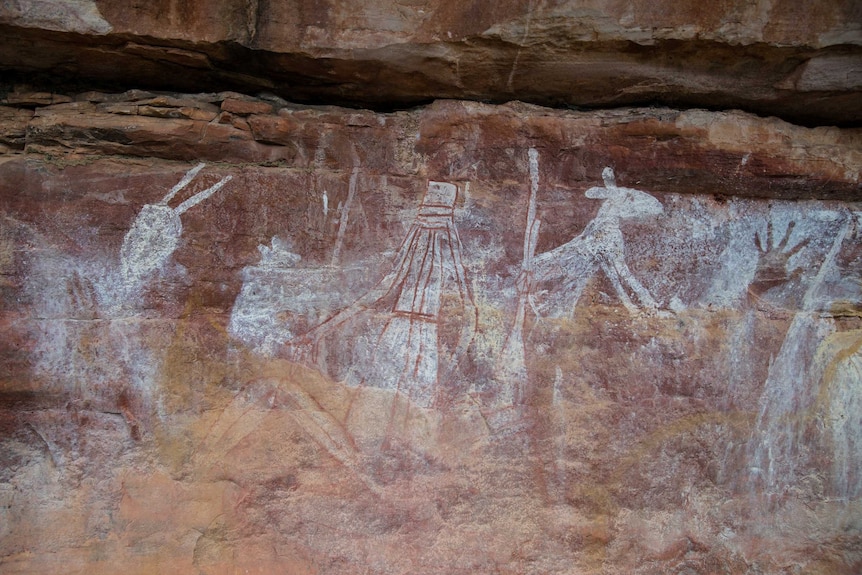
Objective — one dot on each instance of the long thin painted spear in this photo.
(513, 360)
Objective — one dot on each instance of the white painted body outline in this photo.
(406, 355)
(600, 246)
(155, 233)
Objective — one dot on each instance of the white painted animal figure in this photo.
(599, 246)
(156, 231)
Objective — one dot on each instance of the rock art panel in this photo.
(461, 338)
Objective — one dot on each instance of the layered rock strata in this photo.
(800, 60)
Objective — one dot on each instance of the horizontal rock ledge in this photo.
(797, 82)
(748, 156)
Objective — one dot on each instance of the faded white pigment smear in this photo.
(89, 300)
(791, 403)
(81, 16)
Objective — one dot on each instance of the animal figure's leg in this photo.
(617, 271)
(637, 287)
(570, 266)
(615, 276)
(578, 285)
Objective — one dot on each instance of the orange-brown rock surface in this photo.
(463, 338)
(549, 287)
(801, 60)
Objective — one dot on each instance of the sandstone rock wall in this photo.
(798, 60)
(246, 334)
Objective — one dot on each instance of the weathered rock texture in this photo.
(801, 60)
(247, 334)
(326, 366)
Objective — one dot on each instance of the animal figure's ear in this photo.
(599, 193)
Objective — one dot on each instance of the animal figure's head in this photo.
(623, 203)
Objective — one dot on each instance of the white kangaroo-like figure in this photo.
(599, 246)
